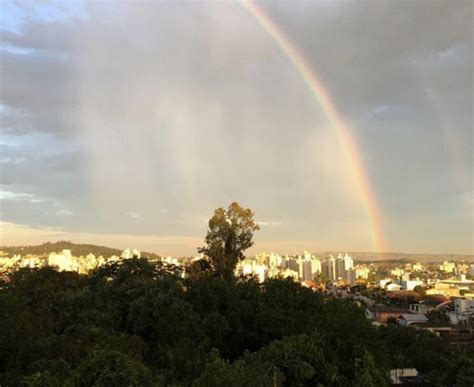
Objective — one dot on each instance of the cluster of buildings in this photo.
(456, 313)
(302, 268)
(448, 279)
(305, 267)
(435, 297)
(63, 261)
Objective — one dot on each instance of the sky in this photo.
(127, 123)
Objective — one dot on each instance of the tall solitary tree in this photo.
(230, 233)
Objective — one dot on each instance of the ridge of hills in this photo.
(76, 249)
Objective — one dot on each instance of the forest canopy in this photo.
(139, 323)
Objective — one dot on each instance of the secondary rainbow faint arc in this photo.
(326, 104)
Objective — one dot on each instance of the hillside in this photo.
(76, 249)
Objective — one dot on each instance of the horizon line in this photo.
(323, 251)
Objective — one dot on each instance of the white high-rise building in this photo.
(336, 268)
(362, 272)
(340, 271)
(306, 270)
(62, 261)
(331, 270)
(316, 266)
(136, 253)
(91, 261)
(261, 272)
(348, 262)
(252, 267)
(126, 254)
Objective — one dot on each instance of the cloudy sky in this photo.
(127, 123)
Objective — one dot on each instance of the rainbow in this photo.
(324, 100)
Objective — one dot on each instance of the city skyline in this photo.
(342, 127)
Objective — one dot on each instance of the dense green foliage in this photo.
(138, 323)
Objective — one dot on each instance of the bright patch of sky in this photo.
(13, 14)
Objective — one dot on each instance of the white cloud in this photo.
(134, 215)
(8, 195)
(64, 213)
(20, 197)
(11, 160)
(269, 223)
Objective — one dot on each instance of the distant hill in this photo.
(76, 249)
(409, 257)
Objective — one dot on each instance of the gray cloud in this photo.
(135, 108)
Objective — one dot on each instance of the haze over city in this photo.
(343, 127)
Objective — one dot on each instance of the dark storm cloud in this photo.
(134, 108)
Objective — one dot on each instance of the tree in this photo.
(111, 368)
(437, 316)
(320, 279)
(367, 373)
(199, 269)
(297, 360)
(420, 290)
(230, 233)
(219, 372)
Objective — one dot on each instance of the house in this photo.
(408, 319)
(463, 312)
(443, 289)
(419, 308)
(410, 284)
(426, 305)
(393, 287)
(438, 329)
(384, 282)
(382, 313)
(402, 376)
